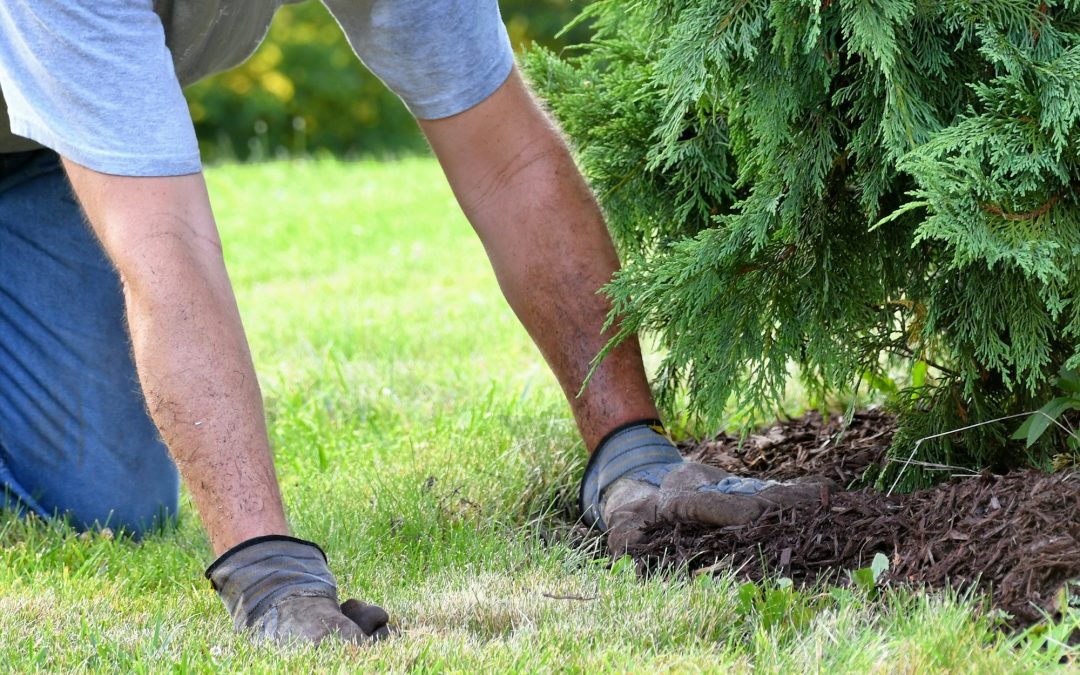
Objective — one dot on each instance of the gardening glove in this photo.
(281, 589)
(636, 477)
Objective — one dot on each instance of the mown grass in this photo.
(420, 438)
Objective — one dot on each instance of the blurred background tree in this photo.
(305, 92)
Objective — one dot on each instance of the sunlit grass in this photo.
(420, 438)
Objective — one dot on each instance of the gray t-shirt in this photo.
(99, 81)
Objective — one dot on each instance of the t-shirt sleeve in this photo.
(94, 81)
(441, 57)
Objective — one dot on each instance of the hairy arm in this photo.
(189, 345)
(545, 236)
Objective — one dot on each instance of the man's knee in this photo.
(132, 514)
(75, 438)
(135, 491)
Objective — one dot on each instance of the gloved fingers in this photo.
(371, 619)
(715, 509)
(310, 619)
(627, 527)
(699, 494)
(695, 477)
(708, 506)
(628, 506)
(342, 627)
(692, 475)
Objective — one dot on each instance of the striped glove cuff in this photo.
(255, 575)
(637, 450)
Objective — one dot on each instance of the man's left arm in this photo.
(512, 173)
(517, 183)
(451, 62)
(544, 233)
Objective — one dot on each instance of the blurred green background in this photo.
(305, 93)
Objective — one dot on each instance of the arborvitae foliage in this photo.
(854, 186)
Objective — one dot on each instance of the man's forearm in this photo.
(514, 178)
(189, 346)
(201, 391)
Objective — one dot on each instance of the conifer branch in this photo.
(1027, 215)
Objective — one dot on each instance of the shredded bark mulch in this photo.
(836, 448)
(1015, 537)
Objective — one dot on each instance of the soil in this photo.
(1014, 537)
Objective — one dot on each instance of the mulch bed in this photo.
(1014, 537)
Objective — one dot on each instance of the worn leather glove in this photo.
(280, 588)
(636, 477)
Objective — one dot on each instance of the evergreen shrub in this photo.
(859, 187)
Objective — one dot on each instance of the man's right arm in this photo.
(94, 81)
(189, 345)
(200, 387)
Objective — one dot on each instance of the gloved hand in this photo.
(636, 476)
(281, 589)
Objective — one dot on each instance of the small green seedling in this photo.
(866, 579)
(776, 604)
(624, 567)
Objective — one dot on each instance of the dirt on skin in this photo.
(1015, 537)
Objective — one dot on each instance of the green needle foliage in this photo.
(859, 187)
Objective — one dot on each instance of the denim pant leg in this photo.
(75, 438)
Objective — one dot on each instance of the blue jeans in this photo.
(75, 438)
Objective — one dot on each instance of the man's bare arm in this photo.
(546, 238)
(200, 386)
(190, 350)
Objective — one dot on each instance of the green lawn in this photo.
(420, 438)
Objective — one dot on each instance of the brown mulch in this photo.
(1014, 537)
(807, 445)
